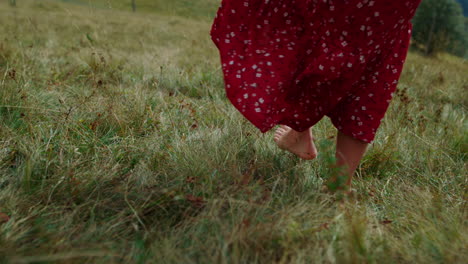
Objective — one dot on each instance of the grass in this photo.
(117, 145)
(199, 10)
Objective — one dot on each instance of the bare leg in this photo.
(349, 152)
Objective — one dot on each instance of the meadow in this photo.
(118, 145)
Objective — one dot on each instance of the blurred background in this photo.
(439, 25)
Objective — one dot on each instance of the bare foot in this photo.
(299, 143)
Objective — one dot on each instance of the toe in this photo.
(280, 131)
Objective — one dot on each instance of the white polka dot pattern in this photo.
(294, 62)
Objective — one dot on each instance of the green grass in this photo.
(117, 145)
(195, 9)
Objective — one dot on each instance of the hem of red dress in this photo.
(349, 132)
(345, 130)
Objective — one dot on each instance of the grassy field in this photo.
(117, 145)
(195, 9)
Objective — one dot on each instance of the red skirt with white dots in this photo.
(293, 62)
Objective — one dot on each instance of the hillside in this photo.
(199, 9)
(117, 145)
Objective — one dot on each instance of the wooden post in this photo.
(133, 6)
(429, 44)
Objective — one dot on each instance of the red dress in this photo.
(293, 62)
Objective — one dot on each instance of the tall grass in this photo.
(117, 145)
